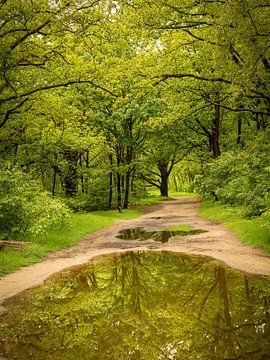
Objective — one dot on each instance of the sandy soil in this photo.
(217, 242)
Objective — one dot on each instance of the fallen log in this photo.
(14, 245)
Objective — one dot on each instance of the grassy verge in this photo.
(181, 193)
(154, 198)
(150, 200)
(60, 237)
(253, 232)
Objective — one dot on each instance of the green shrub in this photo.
(240, 178)
(24, 206)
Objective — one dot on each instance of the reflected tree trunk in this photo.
(216, 132)
(222, 282)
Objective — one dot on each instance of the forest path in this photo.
(217, 242)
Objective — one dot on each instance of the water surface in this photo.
(144, 306)
(140, 234)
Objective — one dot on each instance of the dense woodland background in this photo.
(103, 101)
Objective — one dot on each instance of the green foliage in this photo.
(95, 199)
(127, 95)
(240, 178)
(24, 206)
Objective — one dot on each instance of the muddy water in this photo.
(139, 233)
(142, 305)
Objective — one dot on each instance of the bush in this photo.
(25, 206)
(240, 178)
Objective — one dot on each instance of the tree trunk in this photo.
(239, 130)
(87, 167)
(126, 196)
(222, 281)
(54, 181)
(82, 178)
(70, 174)
(175, 183)
(110, 182)
(164, 191)
(164, 177)
(119, 180)
(216, 132)
(127, 182)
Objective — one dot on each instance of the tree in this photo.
(37, 41)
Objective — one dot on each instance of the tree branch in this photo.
(151, 182)
(25, 36)
(201, 39)
(9, 112)
(55, 86)
(197, 77)
(254, 111)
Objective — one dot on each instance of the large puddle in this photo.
(144, 306)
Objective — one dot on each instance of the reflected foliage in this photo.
(142, 305)
(138, 233)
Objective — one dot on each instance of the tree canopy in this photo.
(102, 99)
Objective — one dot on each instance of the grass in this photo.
(61, 236)
(182, 193)
(150, 200)
(180, 228)
(155, 198)
(253, 232)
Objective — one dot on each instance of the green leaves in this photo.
(240, 178)
(24, 206)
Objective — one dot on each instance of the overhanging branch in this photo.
(193, 76)
(254, 111)
(55, 86)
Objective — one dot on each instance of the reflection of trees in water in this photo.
(131, 283)
(230, 323)
(148, 306)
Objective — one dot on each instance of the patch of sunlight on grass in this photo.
(151, 200)
(182, 193)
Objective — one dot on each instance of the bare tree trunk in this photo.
(164, 177)
(239, 130)
(216, 132)
(70, 174)
(222, 281)
(127, 182)
(119, 178)
(82, 178)
(54, 181)
(110, 182)
(87, 167)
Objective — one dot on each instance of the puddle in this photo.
(142, 306)
(140, 234)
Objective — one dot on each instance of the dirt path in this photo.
(216, 242)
